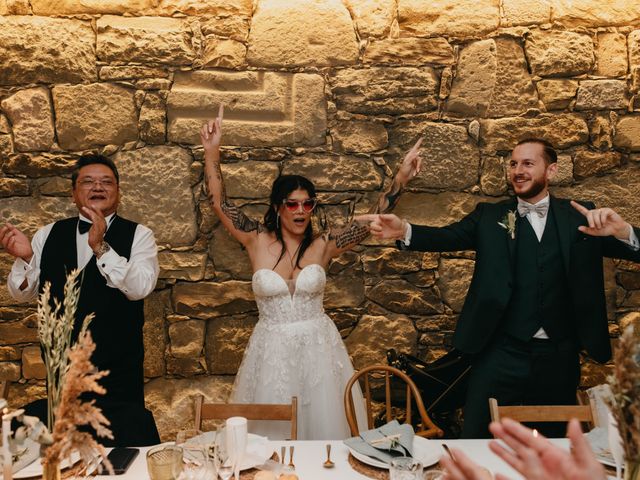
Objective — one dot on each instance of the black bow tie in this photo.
(84, 227)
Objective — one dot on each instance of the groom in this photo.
(537, 294)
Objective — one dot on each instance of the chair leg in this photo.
(198, 412)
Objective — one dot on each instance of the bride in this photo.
(295, 348)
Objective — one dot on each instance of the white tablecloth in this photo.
(309, 456)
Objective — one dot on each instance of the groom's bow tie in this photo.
(540, 210)
(84, 227)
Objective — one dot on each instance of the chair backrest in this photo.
(542, 413)
(251, 411)
(4, 388)
(385, 372)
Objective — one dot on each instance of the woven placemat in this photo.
(368, 470)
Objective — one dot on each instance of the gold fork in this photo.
(291, 457)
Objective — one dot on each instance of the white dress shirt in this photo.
(136, 277)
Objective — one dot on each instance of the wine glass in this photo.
(198, 464)
(222, 457)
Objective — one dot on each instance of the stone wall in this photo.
(335, 90)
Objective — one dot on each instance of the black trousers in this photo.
(537, 372)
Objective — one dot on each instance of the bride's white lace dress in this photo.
(296, 349)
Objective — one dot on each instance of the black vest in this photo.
(117, 324)
(541, 296)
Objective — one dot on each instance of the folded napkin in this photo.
(28, 453)
(384, 443)
(256, 451)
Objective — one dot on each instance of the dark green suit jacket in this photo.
(492, 283)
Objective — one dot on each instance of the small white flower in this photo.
(509, 223)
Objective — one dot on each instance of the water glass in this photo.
(236, 433)
(405, 468)
(164, 462)
(222, 459)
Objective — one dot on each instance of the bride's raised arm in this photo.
(241, 227)
(341, 240)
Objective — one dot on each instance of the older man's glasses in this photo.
(89, 183)
(294, 205)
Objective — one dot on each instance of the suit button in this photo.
(104, 265)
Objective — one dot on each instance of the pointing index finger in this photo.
(583, 210)
(221, 112)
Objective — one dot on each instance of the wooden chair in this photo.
(4, 388)
(543, 413)
(251, 411)
(429, 429)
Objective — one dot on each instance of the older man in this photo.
(537, 294)
(120, 267)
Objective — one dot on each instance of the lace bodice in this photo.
(278, 306)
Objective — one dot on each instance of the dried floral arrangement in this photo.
(70, 373)
(625, 387)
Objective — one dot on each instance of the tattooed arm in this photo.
(343, 239)
(243, 228)
(409, 168)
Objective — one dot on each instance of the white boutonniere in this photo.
(509, 223)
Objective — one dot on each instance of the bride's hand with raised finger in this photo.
(211, 132)
(411, 163)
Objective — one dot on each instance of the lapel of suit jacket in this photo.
(511, 242)
(564, 224)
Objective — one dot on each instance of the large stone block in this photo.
(156, 191)
(227, 339)
(222, 8)
(454, 281)
(38, 165)
(613, 190)
(448, 17)
(602, 95)
(144, 40)
(391, 91)
(29, 214)
(634, 49)
(31, 119)
(562, 130)
(492, 81)
(344, 290)
(13, 187)
(172, 400)
(359, 136)
(373, 18)
(10, 371)
(69, 7)
(336, 173)
(587, 163)
(187, 338)
(224, 53)
(557, 94)
(493, 180)
(251, 179)
(12, 333)
(32, 364)
(207, 299)
(391, 261)
(263, 108)
(234, 27)
(559, 53)
(153, 332)
(92, 115)
(611, 54)
(182, 265)
(229, 255)
(450, 159)
(525, 12)
(409, 51)
(595, 12)
(400, 296)
(152, 122)
(59, 50)
(627, 135)
(437, 209)
(374, 335)
(290, 34)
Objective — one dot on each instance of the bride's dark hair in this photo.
(280, 190)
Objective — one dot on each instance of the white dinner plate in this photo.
(256, 453)
(35, 469)
(425, 451)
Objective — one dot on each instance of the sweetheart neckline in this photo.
(294, 280)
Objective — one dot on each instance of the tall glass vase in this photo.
(51, 471)
(632, 470)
